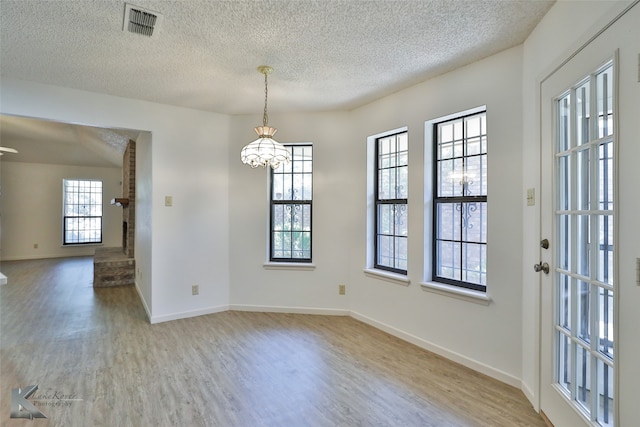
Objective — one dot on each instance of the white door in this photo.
(578, 217)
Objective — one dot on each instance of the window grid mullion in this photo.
(459, 268)
(72, 192)
(393, 201)
(288, 203)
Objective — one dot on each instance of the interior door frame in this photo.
(610, 52)
(548, 225)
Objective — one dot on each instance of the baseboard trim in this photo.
(291, 310)
(546, 419)
(187, 314)
(144, 302)
(429, 346)
(50, 256)
(530, 395)
(448, 354)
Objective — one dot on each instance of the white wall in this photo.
(333, 194)
(551, 43)
(189, 162)
(144, 218)
(31, 209)
(484, 337)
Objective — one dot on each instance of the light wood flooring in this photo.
(227, 369)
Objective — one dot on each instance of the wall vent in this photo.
(141, 21)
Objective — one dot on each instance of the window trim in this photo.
(433, 282)
(289, 263)
(370, 255)
(65, 217)
(378, 202)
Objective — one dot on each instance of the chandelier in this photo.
(265, 150)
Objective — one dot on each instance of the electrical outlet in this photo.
(195, 290)
(342, 289)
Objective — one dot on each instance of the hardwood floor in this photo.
(99, 362)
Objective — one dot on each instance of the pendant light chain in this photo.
(265, 116)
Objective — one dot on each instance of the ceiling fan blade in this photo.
(9, 150)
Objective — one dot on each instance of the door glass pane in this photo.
(564, 361)
(583, 244)
(584, 320)
(584, 188)
(564, 302)
(564, 193)
(564, 247)
(583, 377)
(605, 394)
(605, 322)
(605, 249)
(604, 89)
(582, 114)
(563, 124)
(605, 176)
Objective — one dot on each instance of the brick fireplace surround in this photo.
(115, 266)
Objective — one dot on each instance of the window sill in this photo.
(71, 245)
(457, 292)
(398, 279)
(288, 266)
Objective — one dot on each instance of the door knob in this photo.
(542, 266)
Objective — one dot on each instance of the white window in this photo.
(82, 211)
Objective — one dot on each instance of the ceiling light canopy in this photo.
(265, 150)
(8, 150)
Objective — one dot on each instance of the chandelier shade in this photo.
(265, 150)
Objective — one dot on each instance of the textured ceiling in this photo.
(327, 54)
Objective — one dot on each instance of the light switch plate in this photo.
(168, 200)
(531, 197)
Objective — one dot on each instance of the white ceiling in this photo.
(327, 54)
(41, 141)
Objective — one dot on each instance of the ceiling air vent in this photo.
(142, 21)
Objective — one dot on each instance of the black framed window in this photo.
(82, 211)
(291, 207)
(460, 202)
(391, 185)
